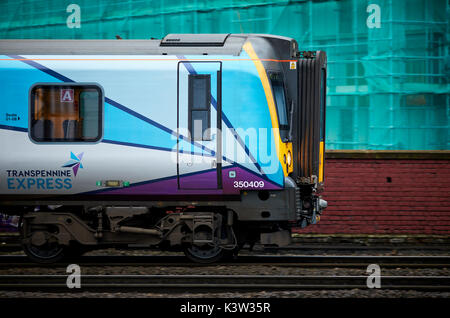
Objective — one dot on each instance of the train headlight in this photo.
(289, 158)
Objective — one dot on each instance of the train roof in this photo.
(172, 44)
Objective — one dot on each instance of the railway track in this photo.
(357, 247)
(12, 242)
(190, 283)
(7, 261)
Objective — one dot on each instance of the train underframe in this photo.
(205, 231)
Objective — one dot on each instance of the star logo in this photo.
(74, 162)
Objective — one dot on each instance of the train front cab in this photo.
(301, 123)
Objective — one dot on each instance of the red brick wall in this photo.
(362, 201)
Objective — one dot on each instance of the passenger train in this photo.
(197, 142)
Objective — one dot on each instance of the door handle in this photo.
(213, 164)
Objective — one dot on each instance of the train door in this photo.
(199, 108)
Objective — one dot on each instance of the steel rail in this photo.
(191, 283)
(9, 261)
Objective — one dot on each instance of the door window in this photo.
(200, 106)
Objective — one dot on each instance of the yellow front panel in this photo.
(281, 147)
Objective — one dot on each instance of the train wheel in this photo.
(49, 252)
(204, 254)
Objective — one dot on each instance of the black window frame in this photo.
(191, 109)
(323, 100)
(101, 98)
(278, 77)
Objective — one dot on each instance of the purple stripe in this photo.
(194, 182)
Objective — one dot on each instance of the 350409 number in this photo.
(248, 184)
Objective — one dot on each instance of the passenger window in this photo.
(66, 113)
(280, 99)
(199, 106)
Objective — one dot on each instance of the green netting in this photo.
(388, 87)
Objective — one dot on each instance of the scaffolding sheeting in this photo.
(388, 86)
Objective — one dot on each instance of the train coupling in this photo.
(322, 204)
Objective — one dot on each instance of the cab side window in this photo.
(276, 80)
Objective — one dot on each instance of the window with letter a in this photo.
(66, 113)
